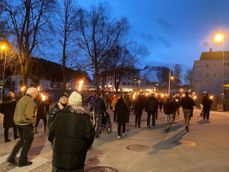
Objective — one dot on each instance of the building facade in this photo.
(211, 73)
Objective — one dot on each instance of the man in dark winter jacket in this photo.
(7, 108)
(187, 104)
(138, 108)
(99, 108)
(122, 113)
(206, 102)
(71, 134)
(151, 109)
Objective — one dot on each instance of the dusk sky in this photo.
(171, 31)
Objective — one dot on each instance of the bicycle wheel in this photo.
(109, 127)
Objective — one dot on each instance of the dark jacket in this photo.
(168, 107)
(206, 104)
(7, 108)
(122, 111)
(139, 104)
(53, 112)
(71, 134)
(99, 106)
(187, 103)
(41, 109)
(151, 104)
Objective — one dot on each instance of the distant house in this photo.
(45, 74)
(211, 73)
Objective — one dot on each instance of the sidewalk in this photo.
(159, 149)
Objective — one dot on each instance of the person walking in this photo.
(71, 135)
(138, 108)
(168, 110)
(41, 113)
(24, 118)
(99, 110)
(122, 114)
(63, 101)
(7, 108)
(151, 108)
(206, 102)
(187, 104)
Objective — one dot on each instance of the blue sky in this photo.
(171, 31)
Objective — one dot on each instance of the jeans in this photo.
(121, 125)
(26, 139)
(187, 116)
(149, 114)
(138, 116)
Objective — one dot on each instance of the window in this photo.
(123, 83)
(206, 65)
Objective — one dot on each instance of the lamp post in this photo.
(220, 38)
(170, 78)
(3, 49)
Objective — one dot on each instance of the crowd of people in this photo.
(75, 120)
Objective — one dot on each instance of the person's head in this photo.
(33, 92)
(186, 94)
(75, 99)
(11, 95)
(63, 100)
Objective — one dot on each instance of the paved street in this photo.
(159, 149)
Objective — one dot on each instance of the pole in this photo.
(3, 76)
(223, 76)
(169, 82)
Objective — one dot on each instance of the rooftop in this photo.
(214, 55)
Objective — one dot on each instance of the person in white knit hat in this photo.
(73, 133)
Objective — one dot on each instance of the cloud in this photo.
(164, 41)
(147, 36)
(164, 24)
(139, 49)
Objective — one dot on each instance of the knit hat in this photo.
(31, 91)
(75, 99)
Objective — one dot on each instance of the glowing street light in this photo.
(170, 78)
(3, 48)
(219, 37)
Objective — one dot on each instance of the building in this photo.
(130, 81)
(211, 73)
(45, 74)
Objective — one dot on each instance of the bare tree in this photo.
(119, 62)
(177, 72)
(64, 28)
(25, 20)
(188, 77)
(98, 35)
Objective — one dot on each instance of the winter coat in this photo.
(41, 109)
(168, 107)
(139, 104)
(206, 104)
(187, 103)
(151, 104)
(25, 111)
(53, 112)
(121, 111)
(7, 107)
(71, 134)
(99, 106)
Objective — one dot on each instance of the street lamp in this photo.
(3, 48)
(170, 78)
(220, 38)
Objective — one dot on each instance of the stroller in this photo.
(106, 125)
